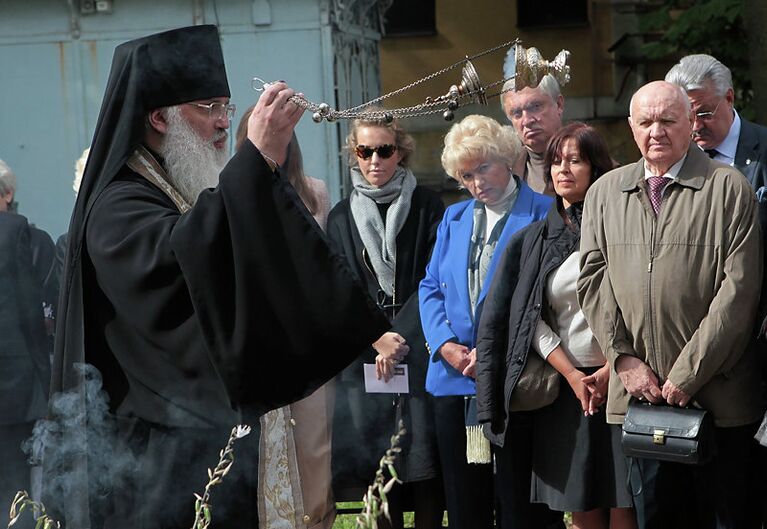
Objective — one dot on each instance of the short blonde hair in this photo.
(478, 137)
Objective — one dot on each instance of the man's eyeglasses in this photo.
(384, 151)
(217, 110)
(708, 116)
(532, 109)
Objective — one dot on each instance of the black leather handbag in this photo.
(666, 433)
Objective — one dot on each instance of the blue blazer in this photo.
(444, 291)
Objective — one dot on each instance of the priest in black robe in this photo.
(197, 309)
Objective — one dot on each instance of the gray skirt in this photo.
(578, 464)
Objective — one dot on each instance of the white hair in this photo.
(193, 163)
(695, 72)
(7, 179)
(548, 85)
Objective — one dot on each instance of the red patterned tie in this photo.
(655, 185)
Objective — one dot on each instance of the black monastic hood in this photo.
(160, 70)
(151, 72)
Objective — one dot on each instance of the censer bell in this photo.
(525, 65)
(470, 84)
(469, 87)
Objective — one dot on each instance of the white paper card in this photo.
(396, 384)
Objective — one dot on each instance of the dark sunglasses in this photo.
(384, 151)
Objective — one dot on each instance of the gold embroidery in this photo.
(280, 503)
(147, 166)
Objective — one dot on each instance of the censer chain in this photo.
(429, 107)
(432, 76)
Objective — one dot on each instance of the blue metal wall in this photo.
(54, 62)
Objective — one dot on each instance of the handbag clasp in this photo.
(659, 437)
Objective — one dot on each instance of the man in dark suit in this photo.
(718, 129)
(25, 373)
(721, 132)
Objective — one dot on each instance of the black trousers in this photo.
(424, 498)
(716, 495)
(513, 473)
(468, 487)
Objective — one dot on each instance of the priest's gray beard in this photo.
(192, 163)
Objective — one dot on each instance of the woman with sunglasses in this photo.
(386, 229)
(479, 154)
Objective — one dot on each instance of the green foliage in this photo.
(714, 27)
(348, 521)
(706, 26)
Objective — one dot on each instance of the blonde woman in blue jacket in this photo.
(479, 153)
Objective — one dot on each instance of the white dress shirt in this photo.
(725, 151)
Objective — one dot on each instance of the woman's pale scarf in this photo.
(481, 251)
(482, 245)
(379, 238)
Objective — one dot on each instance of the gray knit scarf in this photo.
(380, 239)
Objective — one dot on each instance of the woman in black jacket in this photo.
(386, 230)
(547, 422)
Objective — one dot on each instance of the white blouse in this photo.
(566, 324)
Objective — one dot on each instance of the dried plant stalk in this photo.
(202, 508)
(375, 500)
(22, 501)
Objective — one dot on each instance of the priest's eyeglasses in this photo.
(384, 151)
(708, 116)
(217, 110)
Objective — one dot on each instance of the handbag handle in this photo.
(632, 464)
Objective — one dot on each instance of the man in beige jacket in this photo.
(671, 266)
